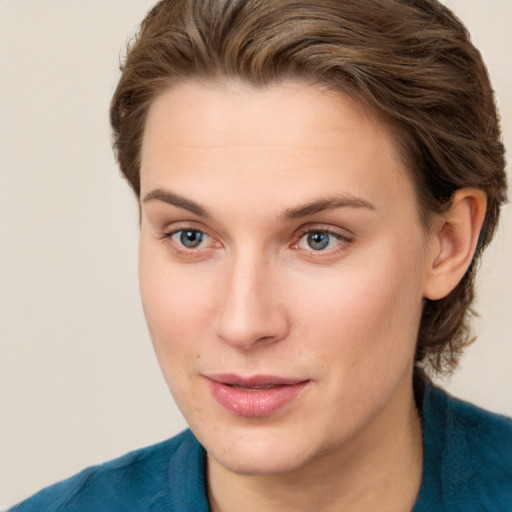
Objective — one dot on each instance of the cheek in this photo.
(365, 316)
(176, 317)
(174, 307)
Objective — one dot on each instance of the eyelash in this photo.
(181, 249)
(343, 240)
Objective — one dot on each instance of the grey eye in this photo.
(190, 238)
(318, 240)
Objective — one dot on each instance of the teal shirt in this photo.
(467, 468)
(467, 463)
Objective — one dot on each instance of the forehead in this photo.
(241, 112)
(297, 137)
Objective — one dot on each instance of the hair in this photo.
(409, 60)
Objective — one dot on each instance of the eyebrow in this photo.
(171, 198)
(330, 203)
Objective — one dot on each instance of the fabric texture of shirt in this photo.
(467, 468)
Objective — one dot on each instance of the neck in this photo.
(380, 469)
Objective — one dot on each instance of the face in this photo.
(282, 266)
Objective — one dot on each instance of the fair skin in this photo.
(281, 248)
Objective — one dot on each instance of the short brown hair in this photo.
(410, 60)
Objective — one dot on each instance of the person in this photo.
(316, 184)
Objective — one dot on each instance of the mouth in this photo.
(257, 396)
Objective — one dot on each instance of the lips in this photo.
(257, 396)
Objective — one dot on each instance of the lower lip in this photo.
(255, 403)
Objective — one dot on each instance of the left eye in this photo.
(189, 238)
(319, 240)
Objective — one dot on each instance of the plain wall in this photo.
(79, 383)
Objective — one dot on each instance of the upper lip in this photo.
(232, 379)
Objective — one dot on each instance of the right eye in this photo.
(189, 238)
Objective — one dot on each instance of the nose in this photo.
(250, 312)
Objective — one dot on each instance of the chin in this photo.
(249, 462)
(260, 451)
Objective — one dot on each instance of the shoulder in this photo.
(470, 450)
(479, 434)
(487, 432)
(141, 480)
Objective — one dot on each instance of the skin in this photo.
(239, 165)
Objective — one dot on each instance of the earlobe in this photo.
(454, 242)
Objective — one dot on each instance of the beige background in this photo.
(78, 380)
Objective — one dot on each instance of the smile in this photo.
(256, 396)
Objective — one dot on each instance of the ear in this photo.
(454, 241)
